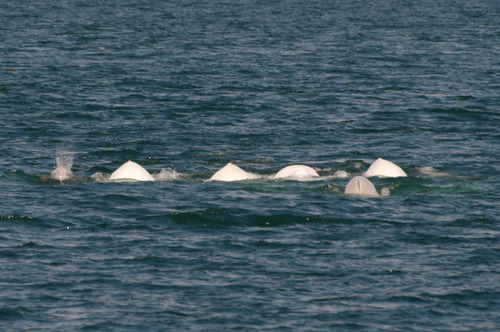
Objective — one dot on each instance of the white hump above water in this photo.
(360, 186)
(382, 167)
(131, 171)
(232, 172)
(296, 172)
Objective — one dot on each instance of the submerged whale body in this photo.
(296, 172)
(131, 171)
(232, 172)
(61, 173)
(382, 167)
(360, 186)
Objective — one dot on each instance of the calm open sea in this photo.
(183, 88)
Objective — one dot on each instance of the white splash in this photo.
(100, 177)
(166, 175)
(340, 174)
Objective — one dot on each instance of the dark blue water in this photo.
(185, 87)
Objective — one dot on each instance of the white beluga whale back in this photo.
(131, 171)
(360, 186)
(296, 172)
(382, 167)
(232, 172)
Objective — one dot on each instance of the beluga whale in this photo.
(296, 172)
(131, 171)
(382, 167)
(62, 172)
(360, 185)
(231, 172)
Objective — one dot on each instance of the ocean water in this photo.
(185, 87)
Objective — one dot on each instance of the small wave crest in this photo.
(18, 218)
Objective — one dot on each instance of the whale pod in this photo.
(61, 173)
(232, 172)
(382, 167)
(131, 171)
(360, 186)
(297, 172)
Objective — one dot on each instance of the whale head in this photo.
(232, 172)
(61, 173)
(64, 162)
(131, 171)
(360, 186)
(382, 167)
(296, 172)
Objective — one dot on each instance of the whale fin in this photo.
(296, 172)
(131, 171)
(382, 167)
(360, 186)
(232, 172)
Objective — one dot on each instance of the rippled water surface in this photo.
(185, 87)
